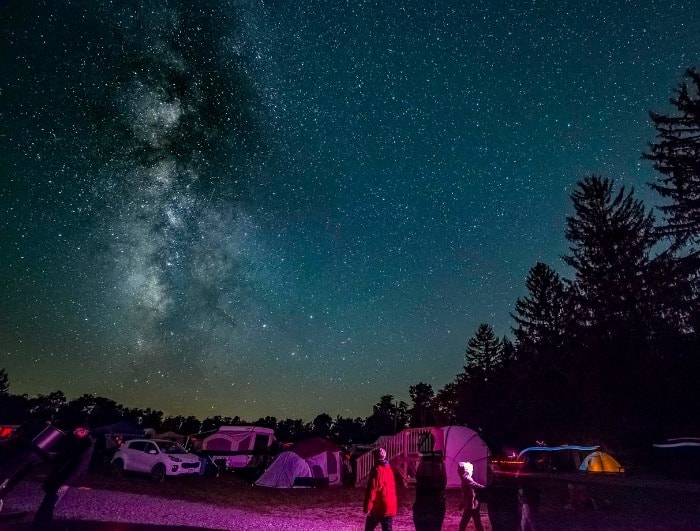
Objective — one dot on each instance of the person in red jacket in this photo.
(380, 496)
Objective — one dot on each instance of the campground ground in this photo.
(228, 502)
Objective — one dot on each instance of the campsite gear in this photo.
(68, 472)
(28, 455)
(48, 439)
(312, 462)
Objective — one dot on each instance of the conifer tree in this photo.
(676, 155)
(540, 315)
(610, 237)
(484, 351)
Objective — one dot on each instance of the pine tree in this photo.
(676, 155)
(615, 317)
(540, 315)
(484, 352)
(611, 238)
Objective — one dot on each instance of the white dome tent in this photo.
(312, 462)
(456, 443)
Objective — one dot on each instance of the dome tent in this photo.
(465, 444)
(308, 463)
(601, 462)
(455, 443)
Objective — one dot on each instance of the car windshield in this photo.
(171, 448)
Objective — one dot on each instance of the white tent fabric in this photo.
(284, 470)
(289, 465)
(464, 444)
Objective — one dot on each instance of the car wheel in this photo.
(158, 472)
(117, 468)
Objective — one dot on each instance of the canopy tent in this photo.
(311, 462)
(464, 444)
(601, 462)
(456, 443)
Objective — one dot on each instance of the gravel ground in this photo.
(655, 507)
(112, 506)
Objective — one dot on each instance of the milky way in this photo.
(267, 208)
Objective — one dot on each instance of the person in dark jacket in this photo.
(431, 480)
(502, 503)
(380, 503)
(68, 472)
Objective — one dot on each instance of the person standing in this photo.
(380, 503)
(529, 501)
(431, 479)
(67, 473)
(471, 508)
(502, 502)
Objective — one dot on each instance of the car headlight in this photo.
(176, 459)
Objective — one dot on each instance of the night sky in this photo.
(289, 208)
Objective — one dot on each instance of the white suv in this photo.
(156, 457)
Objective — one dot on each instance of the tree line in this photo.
(613, 353)
(610, 355)
(96, 411)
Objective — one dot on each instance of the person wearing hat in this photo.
(470, 504)
(380, 497)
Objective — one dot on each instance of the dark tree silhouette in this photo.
(540, 315)
(484, 351)
(291, 430)
(387, 417)
(676, 155)
(349, 430)
(611, 237)
(542, 374)
(266, 422)
(422, 396)
(47, 408)
(4, 382)
(321, 425)
(616, 316)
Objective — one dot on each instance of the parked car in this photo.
(156, 457)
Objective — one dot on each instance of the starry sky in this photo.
(289, 208)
